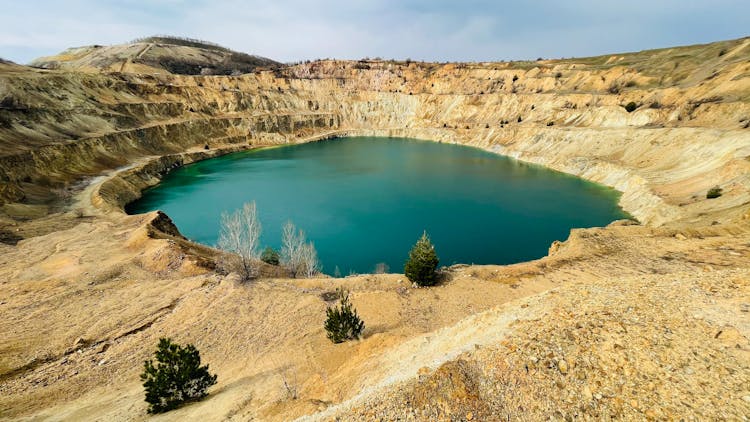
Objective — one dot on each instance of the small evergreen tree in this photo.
(176, 378)
(342, 322)
(714, 192)
(270, 256)
(422, 263)
(630, 107)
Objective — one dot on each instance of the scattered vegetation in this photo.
(9, 102)
(342, 322)
(182, 41)
(290, 385)
(298, 256)
(180, 67)
(421, 266)
(239, 237)
(698, 103)
(229, 63)
(630, 107)
(270, 256)
(714, 192)
(177, 377)
(9, 238)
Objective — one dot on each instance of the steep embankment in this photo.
(86, 290)
(687, 134)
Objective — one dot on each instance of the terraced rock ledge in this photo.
(637, 320)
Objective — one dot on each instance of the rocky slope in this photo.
(79, 142)
(595, 351)
(157, 54)
(688, 133)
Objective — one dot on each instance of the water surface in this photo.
(366, 200)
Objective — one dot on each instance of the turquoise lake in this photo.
(365, 201)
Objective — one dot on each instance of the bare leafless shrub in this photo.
(291, 386)
(381, 268)
(239, 238)
(298, 256)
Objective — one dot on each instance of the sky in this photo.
(431, 30)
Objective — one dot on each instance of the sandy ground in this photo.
(85, 306)
(650, 347)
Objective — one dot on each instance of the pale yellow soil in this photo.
(652, 321)
(657, 347)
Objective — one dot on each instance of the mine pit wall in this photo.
(663, 165)
(88, 157)
(663, 159)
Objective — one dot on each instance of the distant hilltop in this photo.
(184, 56)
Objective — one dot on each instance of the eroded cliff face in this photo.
(627, 321)
(689, 130)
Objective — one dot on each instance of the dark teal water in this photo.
(366, 200)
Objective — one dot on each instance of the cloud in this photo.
(437, 30)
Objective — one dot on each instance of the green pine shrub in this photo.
(422, 263)
(270, 256)
(714, 192)
(177, 377)
(342, 322)
(630, 107)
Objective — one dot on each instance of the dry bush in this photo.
(239, 238)
(298, 256)
(382, 268)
